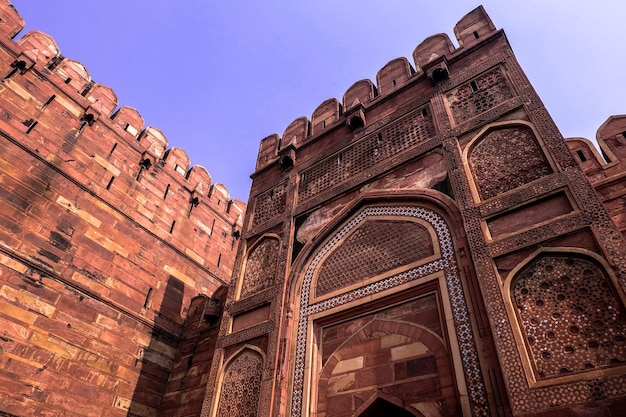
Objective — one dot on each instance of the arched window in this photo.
(241, 385)
(506, 158)
(569, 314)
(260, 269)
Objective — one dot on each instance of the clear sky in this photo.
(217, 76)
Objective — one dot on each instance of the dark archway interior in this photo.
(383, 408)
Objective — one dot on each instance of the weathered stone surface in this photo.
(369, 318)
(101, 252)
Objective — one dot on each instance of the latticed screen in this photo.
(505, 159)
(570, 316)
(396, 137)
(479, 95)
(374, 248)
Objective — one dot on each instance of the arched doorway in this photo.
(354, 280)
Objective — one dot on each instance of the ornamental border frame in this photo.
(447, 264)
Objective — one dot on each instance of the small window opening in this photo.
(474, 86)
(55, 61)
(193, 203)
(379, 137)
(16, 66)
(31, 126)
(172, 226)
(148, 295)
(112, 150)
(605, 156)
(340, 158)
(68, 80)
(356, 122)
(280, 142)
(476, 35)
(236, 236)
(110, 182)
(50, 100)
(323, 124)
(303, 177)
(439, 74)
(424, 112)
(212, 227)
(581, 155)
(145, 164)
(393, 82)
(167, 190)
(19, 65)
(219, 259)
(285, 162)
(86, 119)
(87, 88)
(219, 202)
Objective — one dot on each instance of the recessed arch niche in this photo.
(505, 156)
(239, 386)
(570, 316)
(260, 267)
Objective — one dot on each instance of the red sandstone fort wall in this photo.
(535, 235)
(106, 235)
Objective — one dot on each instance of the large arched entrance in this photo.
(382, 311)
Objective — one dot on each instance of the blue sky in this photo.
(218, 76)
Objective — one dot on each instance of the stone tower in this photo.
(429, 246)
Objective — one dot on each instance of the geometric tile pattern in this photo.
(570, 316)
(260, 267)
(269, 204)
(446, 263)
(239, 396)
(366, 152)
(480, 95)
(505, 159)
(377, 246)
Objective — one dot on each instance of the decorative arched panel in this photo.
(506, 158)
(424, 259)
(260, 269)
(241, 385)
(375, 247)
(569, 315)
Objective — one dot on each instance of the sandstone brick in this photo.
(407, 351)
(27, 300)
(68, 205)
(17, 313)
(348, 365)
(54, 345)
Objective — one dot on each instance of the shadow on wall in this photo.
(156, 359)
(174, 369)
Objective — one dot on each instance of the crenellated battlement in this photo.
(106, 232)
(429, 59)
(105, 147)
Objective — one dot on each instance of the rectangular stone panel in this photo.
(529, 215)
(251, 318)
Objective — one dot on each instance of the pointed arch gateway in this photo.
(386, 279)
